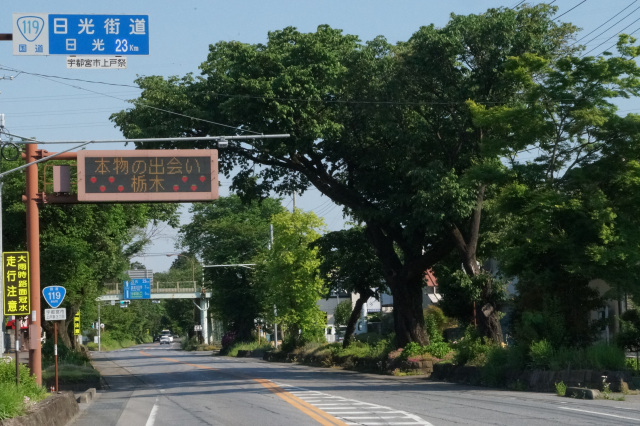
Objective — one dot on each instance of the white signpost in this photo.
(57, 314)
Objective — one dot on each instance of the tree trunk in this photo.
(489, 326)
(353, 319)
(488, 315)
(63, 334)
(408, 316)
(486, 312)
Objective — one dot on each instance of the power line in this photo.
(52, 78)
(560, 16)
(614, 45)
(625, 17)
(4, 67)
(613, 36)
(606, 22)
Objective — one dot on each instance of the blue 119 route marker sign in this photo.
(54, 295)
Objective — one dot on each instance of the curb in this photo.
(56, 410)
(582, 393)
(87, 396)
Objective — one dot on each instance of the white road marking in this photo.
(600, 414)
(354, 412)
(152, 416)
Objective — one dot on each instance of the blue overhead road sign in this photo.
(139, 288)
(56, 34)
(99, 34)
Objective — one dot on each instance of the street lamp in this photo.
(193, 265)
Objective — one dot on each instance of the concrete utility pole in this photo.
(275, 309)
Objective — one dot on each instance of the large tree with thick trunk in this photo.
(383, 130)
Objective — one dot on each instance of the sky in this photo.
(42, 99)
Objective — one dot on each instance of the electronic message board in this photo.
(148, 175)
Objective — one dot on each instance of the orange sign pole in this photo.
(33, 245)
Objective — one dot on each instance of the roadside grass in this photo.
(193, 344)
(247, 346)
(14, 400)
(110, 344)
(71, 373)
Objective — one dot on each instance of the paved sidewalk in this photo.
(110, 402)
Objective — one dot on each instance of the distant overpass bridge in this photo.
(114, 292)
(159, 290)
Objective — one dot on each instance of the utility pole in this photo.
(33, 245)
(2, 330)
(275, 310)
(294, 201)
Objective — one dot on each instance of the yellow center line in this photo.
(315, 413)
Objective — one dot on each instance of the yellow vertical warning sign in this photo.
(76, 324)
(16, 283)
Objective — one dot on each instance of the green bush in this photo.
(471, 349)
(66, 355)
(435, 321)
(369, 338)
(605, 356)
(189, 344)
(438, 350)
(109, 343)
(13, 399)
(599, 356)
(492, 372)
(247, 346)
(71, 373)
(633, 365)
(412, 349)
(541, 354)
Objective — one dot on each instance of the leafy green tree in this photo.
(375, 127)
(342, 313)
(287, 277)
(230, 232)
(349, 264)
(629, 335)
(571, 205)
(136, 323)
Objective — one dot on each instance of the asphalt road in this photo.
(155, 385)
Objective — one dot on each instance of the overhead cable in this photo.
(606, 22)
(613, 36)
(561, 15)
(620, 20)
